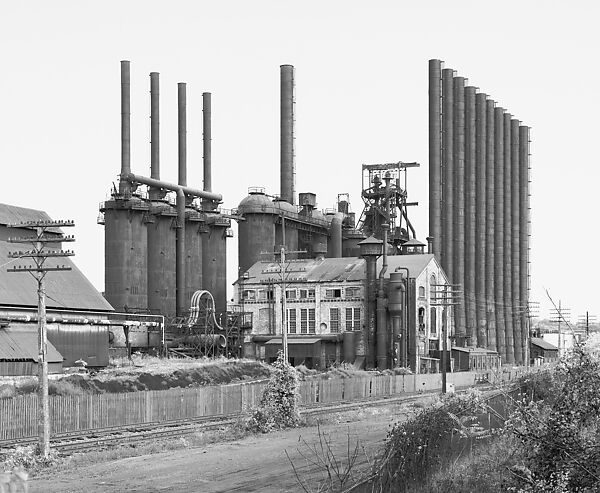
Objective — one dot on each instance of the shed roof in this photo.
(18, 344)
(536, 341)
(64, 289)
(12, 214)
(333, 269)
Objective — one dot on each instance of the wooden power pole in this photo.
(39, 254)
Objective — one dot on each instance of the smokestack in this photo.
(181, 127)
(207, 140)
(490, 220)
(181, 199)
(499, 259)
(524, 220)
(447, 171)
(516, 213)
(435, 146)
(459, 207)
(470, 239)
(288, 170)
(509, 336)
(124, 186)
(154, 132)
(480, 217)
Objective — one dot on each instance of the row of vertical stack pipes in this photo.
(479, 212)
(155, 273)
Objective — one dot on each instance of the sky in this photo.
(361, 97)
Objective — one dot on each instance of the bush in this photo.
(279, 403)
(560, 435)
(430, 440)
(28, 458)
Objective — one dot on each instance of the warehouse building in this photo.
(77, 314)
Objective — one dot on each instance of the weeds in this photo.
(337, 471)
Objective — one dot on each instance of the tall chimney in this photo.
(181, 126)
(154, 132)
(207, 140)
(288, 171)
(435, 158)
(124, 186)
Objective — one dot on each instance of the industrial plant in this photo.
(359, 288)
(479, 212)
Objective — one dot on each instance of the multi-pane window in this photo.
(334, 319)
(307, 321)
(307, 293)
(303, 321)
(311, 320)
(333, 293)
(291, 320)
(290, 294)
(353, 292)
(352, 318)
(249, 294)
(265, 294)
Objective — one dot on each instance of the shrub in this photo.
(560, 435)
(279, 403)
(28, 458)
(437, 434)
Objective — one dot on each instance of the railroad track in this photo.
(119, 435)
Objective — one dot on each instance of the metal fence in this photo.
(18, 415)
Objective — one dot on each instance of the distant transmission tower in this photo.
(39, 253)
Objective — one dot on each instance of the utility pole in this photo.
(584, 321)
(445, 295)
(39, 254)
(560, 315)
(533, 310)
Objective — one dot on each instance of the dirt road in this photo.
(255, 463)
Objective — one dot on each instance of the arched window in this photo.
(421, 291)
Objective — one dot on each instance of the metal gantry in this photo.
(39, 254)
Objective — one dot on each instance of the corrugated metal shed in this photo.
(22, 345)
(64, 289)
(543, 344)
(11, 214)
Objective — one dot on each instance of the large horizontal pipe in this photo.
(170, 186)
(70, 319)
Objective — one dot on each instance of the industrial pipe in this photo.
(490, 220)
(480, 217)
(287, 134)
(435, 145)
(397, 309)
(448, 171)
(499, 259)
(516, 214)
(459, 206)
(335, 230)
(207, 141)
(124, 186)
(524, 220)
(181, 134)
(194, 192)
(509, 336)
(470, 238)
(180, 301)
(154, 133)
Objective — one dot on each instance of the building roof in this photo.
(536, 341)
(64, 289)
(11, 214)
(473, 350)
(19, 344)
(333, 269)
